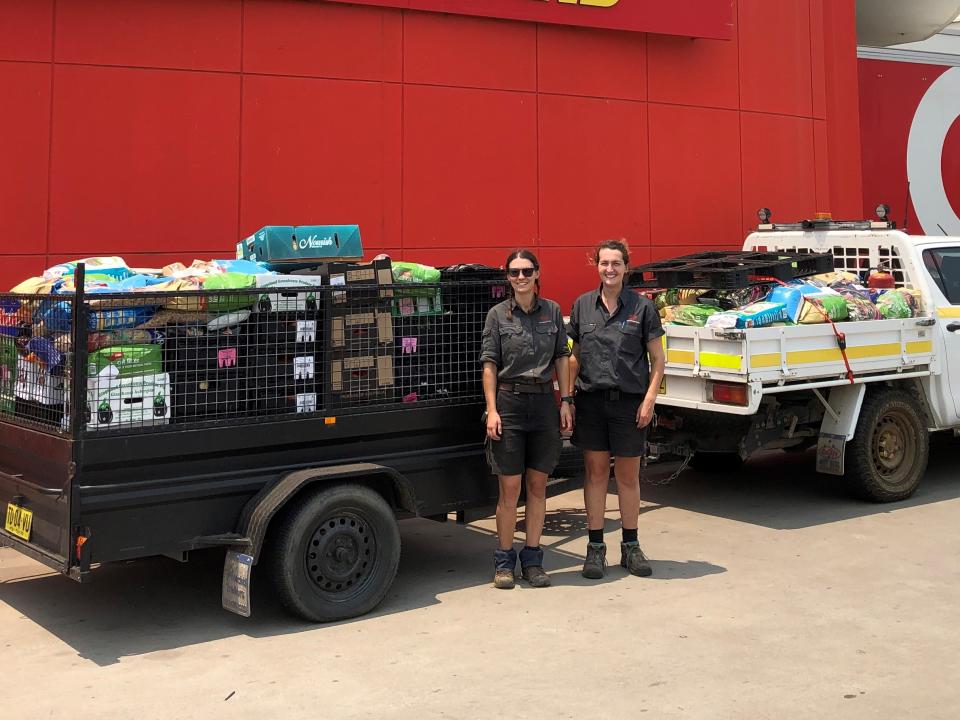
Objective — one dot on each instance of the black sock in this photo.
(596, 536)
(629, 535)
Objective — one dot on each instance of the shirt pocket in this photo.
(511, 339)
(631, 338)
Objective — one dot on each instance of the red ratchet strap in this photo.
(841, 337)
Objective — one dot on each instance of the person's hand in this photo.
(494, 428)
(566, 417)
(645, 414)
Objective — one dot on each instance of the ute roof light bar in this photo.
(824, 221)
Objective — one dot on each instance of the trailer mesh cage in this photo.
(144, 361)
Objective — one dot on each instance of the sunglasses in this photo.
(516, 272)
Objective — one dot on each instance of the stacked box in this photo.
(286, 247)
(289, 293)
(356, 283)
(285, 362)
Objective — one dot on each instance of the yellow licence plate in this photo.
(19, 521)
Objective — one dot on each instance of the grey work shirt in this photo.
(524, 347)
(613, 347)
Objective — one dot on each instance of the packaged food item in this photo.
(818, 307)
(732, 299)
(761, 314)
(791, 296)
(860, 308)
(114, 268)
(228, 302)
(899, 303)
(837, 276)
(726, 320)
(34, 286)
(695, 315)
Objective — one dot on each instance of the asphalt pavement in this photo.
(774, 595)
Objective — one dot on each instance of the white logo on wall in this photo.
(935, 115)
(315, 243)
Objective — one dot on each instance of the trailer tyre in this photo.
(336, 553)
(888, 454)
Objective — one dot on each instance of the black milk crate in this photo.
(286, 368)
(728, 271)
(51, 416)
(195, 348)
(206, 396)
(286, 332)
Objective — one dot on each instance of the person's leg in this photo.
(595, 483)
(627, 472)
(535, 508)
(507, 510)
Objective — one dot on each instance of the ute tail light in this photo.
(728, 393)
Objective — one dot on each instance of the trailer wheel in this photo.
(889, 451)
(336, 553)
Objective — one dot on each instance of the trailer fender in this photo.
(838, 426)
(260, 510)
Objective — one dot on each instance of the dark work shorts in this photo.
(609, 425)
(530, 437)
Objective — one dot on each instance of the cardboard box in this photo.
(360, 281)
(288, 247)
(361, 330)
(295, 295)
(114, 401)
(128, 360)
(362, 374)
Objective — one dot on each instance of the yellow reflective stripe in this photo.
(949, 312)
(807, 357)
(765, 360)
(721, 361)
(680, 357)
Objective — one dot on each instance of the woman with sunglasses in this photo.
(524, 343)
(618, 363)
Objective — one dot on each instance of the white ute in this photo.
(728, 394)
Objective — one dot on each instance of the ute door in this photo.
(943, 265)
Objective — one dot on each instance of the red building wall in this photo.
(168, 129)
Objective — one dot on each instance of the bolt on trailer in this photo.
(866, 394)
(290, 426)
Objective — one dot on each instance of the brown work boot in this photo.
(535, 575)
(596, 561)
(504, 580)
(633, 559)
(505, 563)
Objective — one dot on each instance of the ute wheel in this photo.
(716, 461)
(336, 553)
(887, 457)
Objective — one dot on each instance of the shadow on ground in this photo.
(784, 492)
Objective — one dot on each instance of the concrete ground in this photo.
(774, 596)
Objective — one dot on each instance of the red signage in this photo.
(692, 18)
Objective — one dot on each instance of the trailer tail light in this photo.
(728, 393)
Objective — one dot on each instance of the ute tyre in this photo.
(336, 553)
(716, 462)
(887, 457)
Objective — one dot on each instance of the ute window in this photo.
(943, 264)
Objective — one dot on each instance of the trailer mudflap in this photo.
(830, 453)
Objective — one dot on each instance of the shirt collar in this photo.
(622, 299)
(535, 308)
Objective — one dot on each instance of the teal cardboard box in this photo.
(284, 247)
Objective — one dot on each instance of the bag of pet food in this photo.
(817, 308)
(860, 308)
(694, 315)
(761, 314)
(899, 303)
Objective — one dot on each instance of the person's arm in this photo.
(653, 339)
(490, 395)
(657, 366)
(490, 360)
(562, 365)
